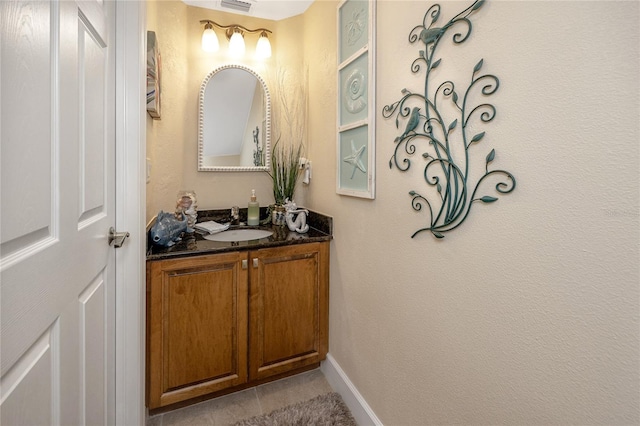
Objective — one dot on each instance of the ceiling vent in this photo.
(242, 6)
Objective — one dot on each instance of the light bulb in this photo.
(209, 39)
(236, 44)
(263, 48)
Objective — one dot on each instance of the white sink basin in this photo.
(239, 235)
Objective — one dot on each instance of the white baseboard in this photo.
(340, 383)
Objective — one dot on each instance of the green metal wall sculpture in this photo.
(440, 120)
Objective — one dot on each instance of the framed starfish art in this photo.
(356, 101)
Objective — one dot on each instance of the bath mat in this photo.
(325, 410)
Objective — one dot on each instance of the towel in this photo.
(211, 227)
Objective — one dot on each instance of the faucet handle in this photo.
(235, 212)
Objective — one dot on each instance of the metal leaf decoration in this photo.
(447, 147)
(491, 156)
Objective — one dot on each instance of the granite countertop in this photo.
(194, 244)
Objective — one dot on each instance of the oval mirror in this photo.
(234, 128)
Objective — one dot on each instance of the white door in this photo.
(57, 188)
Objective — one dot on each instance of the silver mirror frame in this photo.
(267, 130)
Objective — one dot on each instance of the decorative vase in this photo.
(278, 215)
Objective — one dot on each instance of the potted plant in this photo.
(285, 171)
(289, 122)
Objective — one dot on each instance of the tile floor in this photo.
(262, 399)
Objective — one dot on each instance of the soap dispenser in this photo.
(253, 212)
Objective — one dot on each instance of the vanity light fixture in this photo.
(209, 39)
(235, 35)
(263, 48)
(236, 44)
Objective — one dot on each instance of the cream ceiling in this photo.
(265, 9)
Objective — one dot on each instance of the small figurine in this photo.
(300, 223)
(187, 204)
(167, 229)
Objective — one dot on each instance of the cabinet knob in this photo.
(245, 264)
(255, 262)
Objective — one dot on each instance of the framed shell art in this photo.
(356, 99)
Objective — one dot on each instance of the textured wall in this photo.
(528, 313)
(165, 137)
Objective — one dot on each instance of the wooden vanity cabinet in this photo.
(222, 322)
(196, 326)
(288, 308)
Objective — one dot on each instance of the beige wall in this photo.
(527, 313)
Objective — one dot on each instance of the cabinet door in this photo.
(288, 308)
(197, 326)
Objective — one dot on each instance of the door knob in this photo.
(117, 238)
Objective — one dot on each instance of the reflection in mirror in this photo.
(234, 128)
